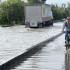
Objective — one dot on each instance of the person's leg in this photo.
(66, 39)
(65, 35)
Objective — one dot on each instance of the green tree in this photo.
(12, 12)
(58, 12)
(68, 9)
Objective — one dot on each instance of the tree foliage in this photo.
(60, 12)
(12, 12)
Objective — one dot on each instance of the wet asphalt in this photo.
(50, 57)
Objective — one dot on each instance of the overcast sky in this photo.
(58, 2)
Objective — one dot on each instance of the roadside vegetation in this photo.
(62, 12)
(12, 11)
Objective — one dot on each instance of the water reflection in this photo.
(51, 57)
(67, 60)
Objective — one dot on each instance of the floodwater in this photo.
(16, 40)
(50, 57)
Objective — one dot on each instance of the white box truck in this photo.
(38, 15)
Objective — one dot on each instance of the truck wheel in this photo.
(40, 25)
(47, 23)
(52, 22)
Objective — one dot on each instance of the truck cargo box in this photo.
(38, 15)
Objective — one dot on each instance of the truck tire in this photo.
(47, 23)
(40, 25)
(52, 23)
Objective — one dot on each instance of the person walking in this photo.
(66, 29)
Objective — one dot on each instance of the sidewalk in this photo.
(16, 40)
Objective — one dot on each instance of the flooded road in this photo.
(16, 40)
(50, 57)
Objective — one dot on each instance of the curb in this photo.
(18, 59)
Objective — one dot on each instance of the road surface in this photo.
(50, 57)
(18, 39)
